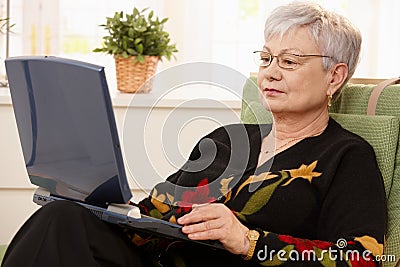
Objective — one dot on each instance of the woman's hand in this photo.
(216, 222)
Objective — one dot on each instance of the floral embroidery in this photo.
(138, 240)
(305, 172)
(155, 213)
(225, 186)
(320, 248)
(261, 196)
(199, 196)
(257, 178)
(304, 244)
(228, 197)
(170, 208)
(173, 219)
(225, 190)
(159, 201)
(144, 209)
(259, 199)
(371, 244)
(366, 260)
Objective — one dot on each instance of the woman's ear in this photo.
(338, 75)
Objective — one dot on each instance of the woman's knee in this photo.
(62, 208)
(64, 213)
(64, 205)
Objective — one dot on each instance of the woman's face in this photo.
(302, 90)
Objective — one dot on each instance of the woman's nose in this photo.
(273, 71)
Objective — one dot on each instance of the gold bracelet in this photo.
(253, 236)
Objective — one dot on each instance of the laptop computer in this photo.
(70, 142)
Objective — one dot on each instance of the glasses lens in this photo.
(262, 59)
(288, 61)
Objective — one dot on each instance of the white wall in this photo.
(15, 190)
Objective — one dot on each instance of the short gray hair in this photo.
(333, 34)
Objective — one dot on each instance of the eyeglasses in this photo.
(286, 61)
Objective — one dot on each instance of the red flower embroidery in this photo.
(305, 244)
(198, 196)
(362, 260)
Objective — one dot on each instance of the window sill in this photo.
(185, 99)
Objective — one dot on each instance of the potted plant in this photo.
(137, 41)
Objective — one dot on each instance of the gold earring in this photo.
(329, 101)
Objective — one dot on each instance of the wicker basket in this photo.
(135, 77)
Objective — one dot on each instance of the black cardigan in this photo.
(312, 203)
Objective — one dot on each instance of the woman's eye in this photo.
(288, 62)
(265, 59)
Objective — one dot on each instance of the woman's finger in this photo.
(200, 214)
(203, 226)
(213, 234)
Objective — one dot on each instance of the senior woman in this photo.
(291, 193)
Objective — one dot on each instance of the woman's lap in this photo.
(63, 233)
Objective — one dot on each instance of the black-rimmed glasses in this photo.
(287, 61)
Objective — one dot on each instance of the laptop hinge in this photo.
(125, 209)
(42, 191)
(42, 196)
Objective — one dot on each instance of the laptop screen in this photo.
(67, 129)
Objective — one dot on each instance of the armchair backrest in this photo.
(380, 130)
(354, 100)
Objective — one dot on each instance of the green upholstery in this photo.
(381, 131)
(252, 110)
(354, 100)
(2, 251)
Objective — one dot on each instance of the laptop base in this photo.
(129, 216)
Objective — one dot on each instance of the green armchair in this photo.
(2, 251)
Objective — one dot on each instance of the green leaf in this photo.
(323, 257)
(254, 178)
(155, 214)
(131, 32)
(241, 217)
(132, 52)
(135, 12)
(125, 43)
(141, 28)
(140, 58)
(140, 49)
(260, 198)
